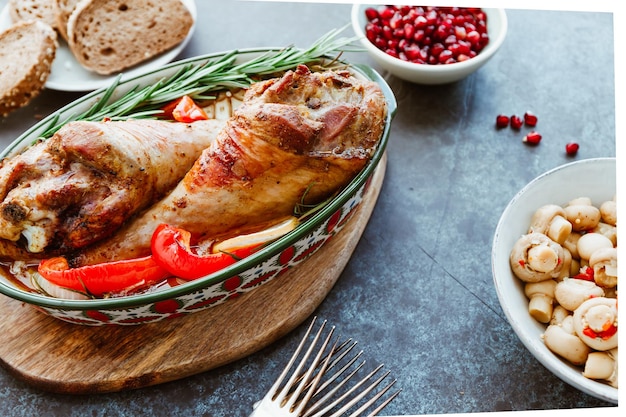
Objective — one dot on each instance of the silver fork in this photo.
(305, 395)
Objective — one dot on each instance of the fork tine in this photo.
(329, 394)
(312, 379)
(366, 391)
(277, 384)
(337, 355)
(295, 395)
(356, 398)
(337, 374)
(376, 397)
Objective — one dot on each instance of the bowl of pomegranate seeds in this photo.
(554, 265)
(428, 44)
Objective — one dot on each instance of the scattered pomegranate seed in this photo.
(444, 35)
(530, 119)
(571, 148)
(502, 120)
(532, 138)
(516, 122)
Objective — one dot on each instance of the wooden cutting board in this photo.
(61, 357)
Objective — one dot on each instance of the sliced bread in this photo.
(23, 10)
(63, 10)
(107, 36)
(27, 50)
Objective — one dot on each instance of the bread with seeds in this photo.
(27, 50)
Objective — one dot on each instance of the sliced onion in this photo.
(54, 290)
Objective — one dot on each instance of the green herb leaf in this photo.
(198, 80)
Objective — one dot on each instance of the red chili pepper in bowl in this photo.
(171, 249)
(184, 110)
(104, 278)
(603, 334)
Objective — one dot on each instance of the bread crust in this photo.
(27, 50)
(62, 11)
(108, 36)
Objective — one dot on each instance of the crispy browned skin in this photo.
(81, 185)
(305, 134)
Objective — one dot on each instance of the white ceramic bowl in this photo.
(593, 178)
(433, 74)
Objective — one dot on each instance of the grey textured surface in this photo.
(418, 292)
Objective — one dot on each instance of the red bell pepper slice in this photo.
(104, 278)
(603, 334)
(184, 110)
(171, 249)
(586, 274)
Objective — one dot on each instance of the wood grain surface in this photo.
(61, 357)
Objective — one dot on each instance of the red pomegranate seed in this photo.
(532, 138)
(464, 47)
(371, 13)
(530, 119)
(473, 37)
(413, 52)
(436, 49)
(460, 30)
(432, 16)
(395, 21)
(421, 22)
(516, 122)
(502, 120)
(387, 32)
(445, 56)
(409, 31)
(387, 13)
(571, 148)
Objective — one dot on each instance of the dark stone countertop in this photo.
(418, 292)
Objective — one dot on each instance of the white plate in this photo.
(68, 75)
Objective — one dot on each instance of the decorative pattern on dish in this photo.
(222, 291)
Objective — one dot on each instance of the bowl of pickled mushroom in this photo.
(554, 264)
(429, 44)
(124, 221)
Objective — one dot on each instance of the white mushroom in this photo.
(608, 212)
(559, 313)
(565, 344)
(574, 267)
(595, 322)
(607, 230)
(566, 268)
(572, 292)
(568, 324)
(541, 299)
(571, 244)
(535, 257)
(604, 264)
(602, 365)
(550, 220)
(582, 214)
(591, 242)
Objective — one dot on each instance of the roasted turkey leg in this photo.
(303, 136)
(82, 184)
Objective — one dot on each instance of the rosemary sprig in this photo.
(197, 80)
